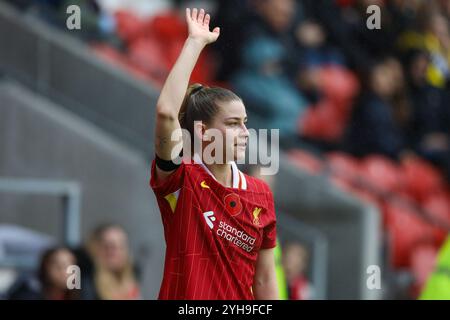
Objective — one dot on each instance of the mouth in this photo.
(241, 145)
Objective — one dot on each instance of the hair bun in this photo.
(196, 88)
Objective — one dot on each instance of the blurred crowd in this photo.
(106, 271)
(316, 71)
(312, 69)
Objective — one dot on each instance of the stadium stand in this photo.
(373, 177)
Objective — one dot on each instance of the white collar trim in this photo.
(238, 176)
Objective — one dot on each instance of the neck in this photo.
(222, 173)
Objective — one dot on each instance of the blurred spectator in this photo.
(114, 277)
(295, 263)
(51, 281)
(431, 114)
(345, 22)
(314, 48)
(324, 79)
(400, 100)
(313, 54)
(228, 49)
(433, 36)
(376, 121)
(273, 100)
(262, 81)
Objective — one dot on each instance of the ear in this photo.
(199, 130)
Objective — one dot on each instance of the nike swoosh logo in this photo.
(204, 185)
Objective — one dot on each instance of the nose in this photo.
(245, 132)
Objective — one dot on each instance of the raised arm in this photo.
(174, 89)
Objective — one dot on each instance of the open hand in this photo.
(198, 25)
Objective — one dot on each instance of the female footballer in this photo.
(219, 223)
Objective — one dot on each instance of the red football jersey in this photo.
(213, 233)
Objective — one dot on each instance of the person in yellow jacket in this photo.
(434, 39)
(281, 279)
(438, 284)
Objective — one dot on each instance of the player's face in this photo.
(231, 119)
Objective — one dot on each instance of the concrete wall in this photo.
(41, 140)
(60, 66)
(352, 229)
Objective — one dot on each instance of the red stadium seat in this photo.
(147, 55)
(346, 174)
(406, 229)
(204, 70)
(423, 261)
(113, 56)
(129, 26)
(169, 27)
(154, 45)
(437, 207)
(306, 161)
(339, 85)
(323, 122)
(328, 119)
(359, 192)
(343, 164)
(382, 173)
(421, 178)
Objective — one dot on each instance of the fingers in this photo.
(216, 34)
(206, 20)
(188, 14)
(201, 16)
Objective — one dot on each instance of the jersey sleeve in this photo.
(171, 184)
(270, 230)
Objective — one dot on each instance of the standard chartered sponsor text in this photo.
(238, 237)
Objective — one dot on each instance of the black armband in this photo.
(166, 165)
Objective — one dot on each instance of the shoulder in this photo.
(257, 185)
(264, 196)
(191, 168)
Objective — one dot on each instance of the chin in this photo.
(239, 155)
